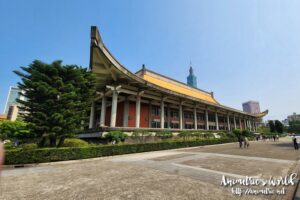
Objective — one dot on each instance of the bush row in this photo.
(21, 156)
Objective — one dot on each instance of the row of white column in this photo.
(250, 124)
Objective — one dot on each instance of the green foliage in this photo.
(14, 129)
(58, 98)
(140, 135)
(245, 132)
(164, 134)
(185, 134)
(278, 126)
(8, 145)
(74, 142)
(264, 130)
(272, 126)
(237, 132)
(294, 127)
(29, 146)
(116, 136)
(19, 156)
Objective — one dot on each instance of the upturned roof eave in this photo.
(101, 47)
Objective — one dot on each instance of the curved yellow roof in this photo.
(180, 89)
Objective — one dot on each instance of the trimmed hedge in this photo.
(19, 156)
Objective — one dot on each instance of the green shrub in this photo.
(185, 134)
(29, 146)
(237, 132)
(198, 134)
(140, 135)
(230, 135)
(164, 134)
(19, 156)
(116, 136)
(222, 134)
(8, 145)
(74, 142)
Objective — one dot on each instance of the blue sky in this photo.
(240, 50)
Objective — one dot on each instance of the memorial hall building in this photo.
(151, 101)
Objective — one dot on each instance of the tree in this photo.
(14, 130)
(278, 126)
(294, 127)
(58, 98)
(272, 126)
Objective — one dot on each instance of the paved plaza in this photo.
(190, 173)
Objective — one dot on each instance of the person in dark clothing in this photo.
(274, 138)
(240, 142)
(295, 143)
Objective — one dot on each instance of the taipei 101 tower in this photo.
(192, 79)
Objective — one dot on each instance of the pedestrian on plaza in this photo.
(246, 143)
(277, 137)
(274, 138)
(240, 142)
(295, 143)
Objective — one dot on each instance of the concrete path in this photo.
(190, 173)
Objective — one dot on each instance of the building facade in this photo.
(13, 95)
(149, 100)
(251, 107)
(293, 117)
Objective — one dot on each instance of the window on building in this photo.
(201, 126)
(188, 115)
(201, 116)
(174, 114)
(155, 124)
(155, 110)
(188, 126)
(174, 125)
(211, 117)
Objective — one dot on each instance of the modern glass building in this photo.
(13, 95)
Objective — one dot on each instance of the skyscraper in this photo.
(192, 79)
(13, 94)
(251, 107)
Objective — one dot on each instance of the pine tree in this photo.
(272, 126)
(58, 98)
(278, 126)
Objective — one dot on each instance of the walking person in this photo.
(246, 143)
(296, 146)
(240, 142)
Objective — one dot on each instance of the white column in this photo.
(228, 123)
(162, 114)
(125, 113)
(195, 118)
(150, 115)
(245, 123)
(248, 125)
(114, 105)
(206, 120)
(92, 115)
(103, 111)
(180, 116)
(137, 111)
(217, 121)
(250, 121)
(234, 122)
(169, 116)
(240, 122)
